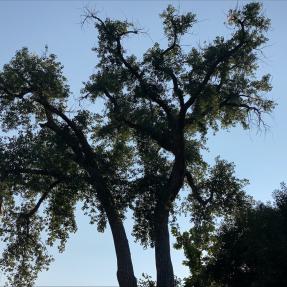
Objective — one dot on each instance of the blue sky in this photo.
(260, 156)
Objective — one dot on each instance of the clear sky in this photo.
(260, 156)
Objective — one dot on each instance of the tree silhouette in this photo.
(248, 249)
(138, 153)
(54, 157)
(169, 99)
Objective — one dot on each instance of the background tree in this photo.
(51, 159)
(169, 99)
(249, 249)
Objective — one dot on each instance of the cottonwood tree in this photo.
(51, 159)
(158, 112)
(169, 99)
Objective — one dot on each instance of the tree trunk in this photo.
(84, 156)
(125, 272)
(165, 275)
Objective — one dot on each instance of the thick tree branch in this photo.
(64, 133)
(118, 52)
(146, 87)
(212, 69)
(177, 91)
(176, 88)
(79, 134)
(138, 127)
(196, 190)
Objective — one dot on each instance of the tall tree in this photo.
(51, 159)
(169, 99)
(159, 109)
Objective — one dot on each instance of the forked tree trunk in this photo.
(165, 275)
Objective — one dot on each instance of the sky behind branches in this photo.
(259, 155)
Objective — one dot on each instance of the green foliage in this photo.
(197, 245)
(26, 74)
(139, 152)
(248, 249)
(216, 195)
(42, 170)
(176, 24)
(34, 167)
(216, 191)
(146, 281)
(215, 83)
(172, 94)
(154, 168)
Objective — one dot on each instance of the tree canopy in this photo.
(170, 98)
(139, 153)
(49, 161)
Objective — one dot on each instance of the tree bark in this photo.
(84, 156)
(165, 275)
(125, 272)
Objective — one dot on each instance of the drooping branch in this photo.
(248, 108)
(23, 218)
(33, 210)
